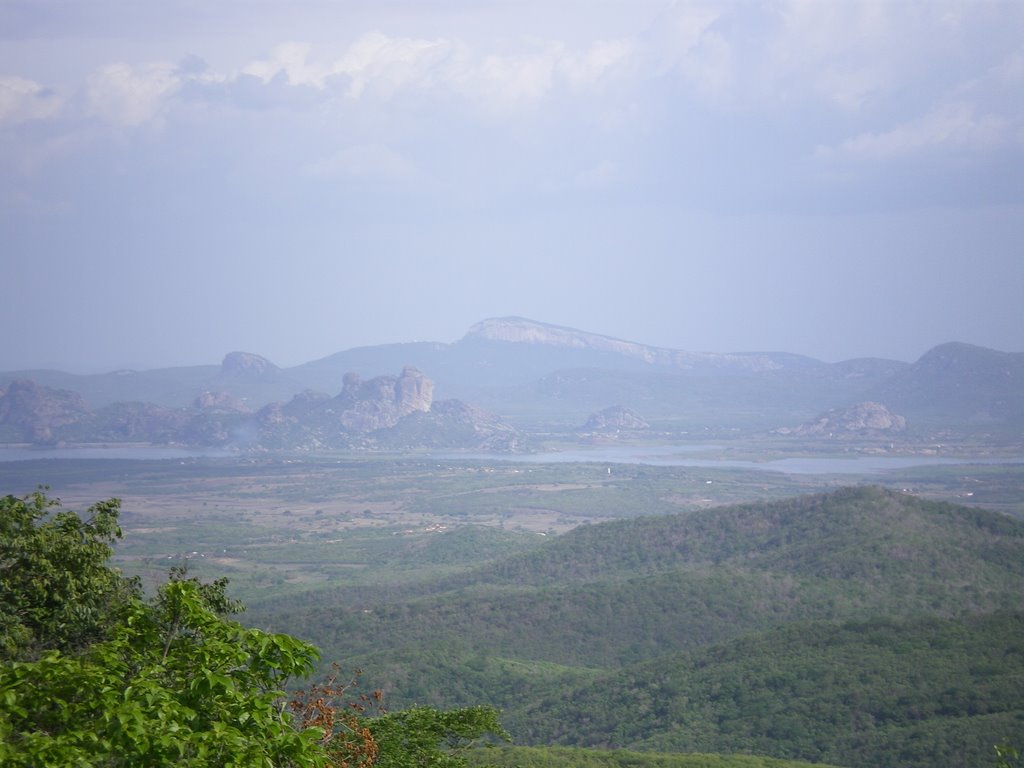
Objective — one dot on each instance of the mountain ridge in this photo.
(538, 376)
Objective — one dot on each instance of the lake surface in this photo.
(154, 453)
(679, 456)
(656, 455)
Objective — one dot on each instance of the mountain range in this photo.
(510, 376)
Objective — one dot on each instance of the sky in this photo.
(182, 179)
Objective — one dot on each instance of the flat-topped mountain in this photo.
(519, 330)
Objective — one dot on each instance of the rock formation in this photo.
(379, 403)
(37, 412)
(247, 365)
(858, 419)
(615, 417)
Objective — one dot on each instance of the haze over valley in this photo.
(619, 384)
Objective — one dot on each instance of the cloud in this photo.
(380, 66)
(120, 93)
(24, 100)
(953, 127)
(389, 63)
(290, 59)
(596, 62)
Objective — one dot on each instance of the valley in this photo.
(638, 555)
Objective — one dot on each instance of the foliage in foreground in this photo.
(170, 681)
(56, 590)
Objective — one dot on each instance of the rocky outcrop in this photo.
(858, 419)
(519, 330)
(614, 418)
(247, 365)
(450, 424)
(220, 402)
(139, 422)
(382, 413)
(379, 403)
(38, 412)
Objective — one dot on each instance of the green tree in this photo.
(57, 590)
(172, 681)
(176, 685)
(423, 737)
(1007, 756)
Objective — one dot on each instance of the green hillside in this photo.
(878, 693)
(861, 627)
(620, 592)
(565, 757)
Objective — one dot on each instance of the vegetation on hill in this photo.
(92, 674)
(862, 627)
(569, 757)
(883, 692)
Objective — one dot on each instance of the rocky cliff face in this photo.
(379, 403)
(614, 418)
(518, 330)
(38, 412)
(385, 412)
(223, 402)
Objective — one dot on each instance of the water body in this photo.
(677, 456)
(657, 455)
(154, 453)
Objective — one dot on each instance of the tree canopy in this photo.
(57, 590)
(92, 674)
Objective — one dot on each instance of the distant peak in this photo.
(519, 330)
(524, 331)
(247, 364)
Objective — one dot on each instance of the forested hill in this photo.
(865, 532)
(635, 633)
(880, 693)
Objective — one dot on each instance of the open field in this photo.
(281, 524)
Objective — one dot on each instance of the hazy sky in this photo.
(185, 178)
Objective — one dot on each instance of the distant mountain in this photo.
(959, 383)
(243, 374)
(374, 414)
(537, 376)
(513, 351)
(518, 330)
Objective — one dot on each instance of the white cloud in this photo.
(290, 58)
(23, 100)
(388, 63)
(954, 127)
(130, 95)
(382, 65)
(598, 60)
